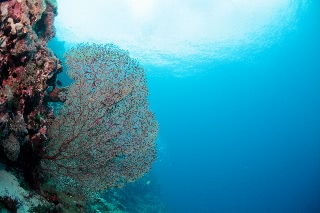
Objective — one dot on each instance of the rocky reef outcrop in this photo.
(27, 69)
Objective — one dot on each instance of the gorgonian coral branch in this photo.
(104, 136)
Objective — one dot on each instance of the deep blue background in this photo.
(244, 136)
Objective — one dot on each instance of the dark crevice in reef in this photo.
(9, 203)
(29, 165)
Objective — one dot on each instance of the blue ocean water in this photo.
(242, 135)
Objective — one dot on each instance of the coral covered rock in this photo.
(27, 66)
(11, 147)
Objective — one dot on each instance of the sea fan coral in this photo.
(104, 135)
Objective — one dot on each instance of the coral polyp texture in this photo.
(104, 136)
(27, 68)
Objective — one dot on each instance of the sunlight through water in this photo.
(163, 33)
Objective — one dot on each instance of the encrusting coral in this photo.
(11, 147)
(27, 67)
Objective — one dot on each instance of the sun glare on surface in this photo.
(141, 9)
(154, 30)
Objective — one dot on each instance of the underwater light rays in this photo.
(217, 29)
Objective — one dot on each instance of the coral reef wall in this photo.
(27, 69)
